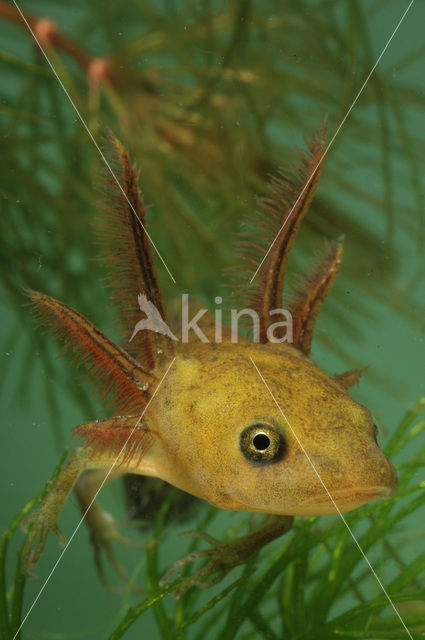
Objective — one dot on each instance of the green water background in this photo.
(73, 603)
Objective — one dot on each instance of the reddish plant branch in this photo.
(98, 70)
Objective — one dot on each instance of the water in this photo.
(368, 320)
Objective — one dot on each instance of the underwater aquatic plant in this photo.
(318, 74)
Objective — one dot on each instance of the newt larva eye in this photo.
(262, 444)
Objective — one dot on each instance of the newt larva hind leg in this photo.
(103, 527)
(222, 557)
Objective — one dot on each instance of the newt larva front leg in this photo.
(86, 471)
(44, 520)
(222, 557)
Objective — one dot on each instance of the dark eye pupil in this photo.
(261, 441)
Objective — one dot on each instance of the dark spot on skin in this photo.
(339, 427)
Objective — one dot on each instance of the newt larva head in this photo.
(299, 446)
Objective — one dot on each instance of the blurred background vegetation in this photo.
(209, 97)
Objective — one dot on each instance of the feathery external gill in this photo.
(311, 293)
(282, 213)
(127, 251)
(350, 378)
(113, 371)
(113, 435)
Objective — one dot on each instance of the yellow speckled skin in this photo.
(213, 392)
